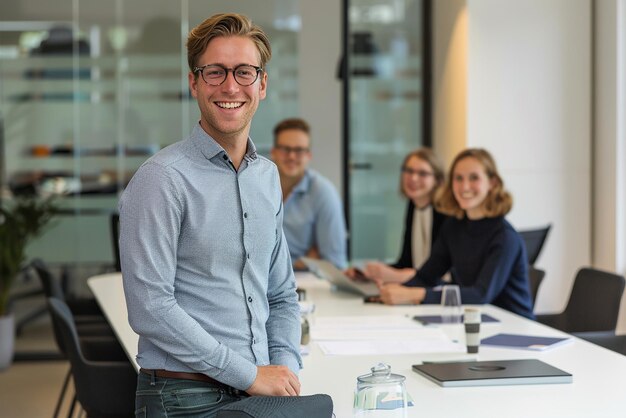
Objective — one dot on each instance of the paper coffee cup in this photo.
(471, 319)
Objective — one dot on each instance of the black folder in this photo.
(492, 373)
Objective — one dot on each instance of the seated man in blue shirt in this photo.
(314, 224)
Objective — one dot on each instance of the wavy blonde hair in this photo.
(498, 201)
(427, 155)
(224, 25)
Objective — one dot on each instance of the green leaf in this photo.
(21, 219)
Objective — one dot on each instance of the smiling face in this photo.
(227, 110)
(471, 185)
(418, 181)
(291, 153)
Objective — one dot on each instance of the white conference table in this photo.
(598, 390)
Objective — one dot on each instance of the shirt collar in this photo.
(210, 148)
(305, 184)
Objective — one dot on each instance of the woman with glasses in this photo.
(485, 254)
(421, 176)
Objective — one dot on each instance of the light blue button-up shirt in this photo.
(314, 217)
(207, 274)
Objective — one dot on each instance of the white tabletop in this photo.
(598, 390)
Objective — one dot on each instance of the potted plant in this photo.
(21, 219)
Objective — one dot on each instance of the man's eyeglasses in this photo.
(215, 74)
(299, 151)
(420, 173)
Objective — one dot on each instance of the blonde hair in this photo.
(427, 155)
(498, 201)
(226, 24)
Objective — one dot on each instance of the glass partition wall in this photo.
(90, 89)
(386, 115)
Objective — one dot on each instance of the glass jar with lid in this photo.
(380, 394)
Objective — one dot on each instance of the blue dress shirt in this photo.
(207, 275)
(314, 217)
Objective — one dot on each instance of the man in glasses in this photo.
(314, 223)
(207, 275)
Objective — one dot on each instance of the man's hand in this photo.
(275, 380)
(395, 294)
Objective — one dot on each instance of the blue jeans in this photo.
(180, 398)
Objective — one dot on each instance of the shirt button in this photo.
(225, 157)
(249, 298)
(248, 256)
(245, 214)
(254, 341)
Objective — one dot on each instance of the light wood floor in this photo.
(31, 389)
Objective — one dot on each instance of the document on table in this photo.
(526, 342)
(360, 327)
(370, 335)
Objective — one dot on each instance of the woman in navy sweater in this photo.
(422, 175)
(485, 255)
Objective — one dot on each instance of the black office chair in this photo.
(104, 382)
(608, 340)
(535, 277)
(534, 240)
(85, 310)
(593, 303)
(27, 294)
(115, 239)
(92, 325)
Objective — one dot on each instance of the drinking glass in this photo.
(451, 304)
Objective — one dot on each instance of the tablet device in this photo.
(328, 271)
(492, 373)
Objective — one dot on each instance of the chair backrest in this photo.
(606, 339)
(103, 388)
(51, 285)
(65, 332)
(534, 240)
(535, 277)
(115, 240)
(594, 301)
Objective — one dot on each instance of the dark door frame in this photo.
(345, 94)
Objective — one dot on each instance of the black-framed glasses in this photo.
(215, 74)
(420, 173)
(299, 151)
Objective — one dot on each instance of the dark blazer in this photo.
(406, 258)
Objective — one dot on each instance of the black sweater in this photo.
(487, 259)
(406, 255)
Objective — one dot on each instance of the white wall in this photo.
(320, 90)
(529, 103)
(449, 78)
